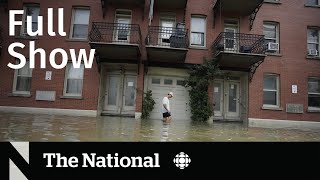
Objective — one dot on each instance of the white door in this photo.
(122, 31)
(230, 39)
(218, 98)
(226, 95)
(112, 94)
(129, 95)
(120, 95)
(232, 100)
(166, 32)
(179, 104)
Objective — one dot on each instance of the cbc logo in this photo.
(182, 160)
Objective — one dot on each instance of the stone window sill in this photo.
(19, 95)
(71, 97)
(312, 6)
(313, 57)
(273, 54)
(77, 40)
(272, 2)
(272, 108)
(27, 37)
(198, 48)
(313, 110)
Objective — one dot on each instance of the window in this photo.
(271, 34)
(73, 81)
(168, 81)
(32, 10)
(155, 81)
(198, 31)
(314, 93)
(313, 41)
(313, 2)
(271, 90)
(22, 80)
(80, 23)
(181, 83)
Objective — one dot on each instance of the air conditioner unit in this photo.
(313, 52)
(273, 46)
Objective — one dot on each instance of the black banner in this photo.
(170, 160)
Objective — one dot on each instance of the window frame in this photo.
(318, 43)
(271, 90)
(204, 33)
(277, 39)
(15, 79)
(65, 94)
(73, 19)
(313, 107)
(24, 17)
(312, 5)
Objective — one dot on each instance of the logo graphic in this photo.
(182, 160)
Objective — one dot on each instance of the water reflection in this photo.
(28, 127)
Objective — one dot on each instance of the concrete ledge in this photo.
(137, 115)
(49, 111)
(272, 123)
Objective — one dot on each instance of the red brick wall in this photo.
(292, 65)
(91, 76)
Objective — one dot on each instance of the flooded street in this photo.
(27, 127)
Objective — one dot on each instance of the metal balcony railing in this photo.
(103, 32)
(167, 37)
(239, 43)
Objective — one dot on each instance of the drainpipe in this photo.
(151, 11)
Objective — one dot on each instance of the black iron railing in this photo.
(103, 32)
(167, 37)
(239, 43)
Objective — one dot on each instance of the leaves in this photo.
(199, 80)
(148, 105)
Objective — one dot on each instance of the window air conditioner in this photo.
(313, 52)
(273, 46)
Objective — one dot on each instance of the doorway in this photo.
(227, 98)
(120, 94)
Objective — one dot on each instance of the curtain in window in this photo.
(81, 21)
(75, 80)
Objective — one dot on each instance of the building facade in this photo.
(268, 51)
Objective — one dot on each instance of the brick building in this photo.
(269, 51)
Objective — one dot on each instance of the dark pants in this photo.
(166, 114)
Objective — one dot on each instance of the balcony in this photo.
(166, 44)
(118, 3)
(237, 8)
(174, 4)
(115, 41)
(238, 51)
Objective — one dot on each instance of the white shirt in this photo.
(166, 101)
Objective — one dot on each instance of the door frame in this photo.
(223, 114)
(122, 16)
(120, 108)
(165, 18)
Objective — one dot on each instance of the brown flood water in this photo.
(29, 127)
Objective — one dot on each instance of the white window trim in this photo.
(272, 90)
(318, 43)
(277, 33)
(72, 22)
(24, 18)
(15, 78)
(313, 107)
(205, 32)
(66, 81)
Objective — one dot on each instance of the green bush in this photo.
(200, 77)
(148, 105)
